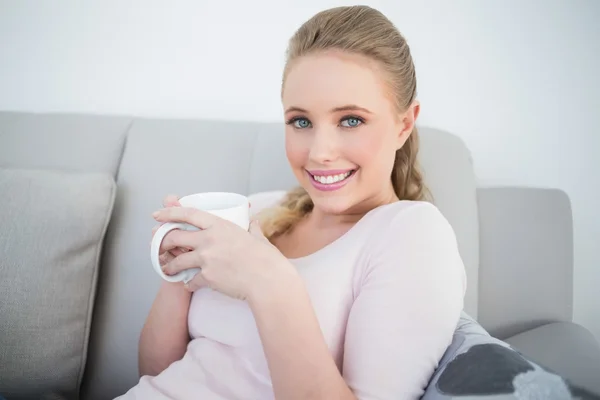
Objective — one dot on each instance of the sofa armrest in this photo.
(565, 348)
(526, 259)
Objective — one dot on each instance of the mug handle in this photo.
(183, 276)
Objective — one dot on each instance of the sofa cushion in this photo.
(478, 366)
(526, 270)
(53, 225)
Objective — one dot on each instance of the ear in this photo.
(407, 122)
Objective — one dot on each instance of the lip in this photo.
(331, 186)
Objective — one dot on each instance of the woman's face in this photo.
(342, 131)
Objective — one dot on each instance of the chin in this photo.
(331, 204)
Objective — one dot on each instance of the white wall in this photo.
(518, 81)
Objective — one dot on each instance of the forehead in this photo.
(335, 79)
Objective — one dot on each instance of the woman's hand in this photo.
(233, 261)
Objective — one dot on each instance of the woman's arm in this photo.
(165, 336)
(400, 324)
(299, 360)
(407, 307)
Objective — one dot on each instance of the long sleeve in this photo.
(408, 301)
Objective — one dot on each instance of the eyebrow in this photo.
(349, 107)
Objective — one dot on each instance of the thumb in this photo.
(256, 230)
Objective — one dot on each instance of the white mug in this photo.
(230, 206)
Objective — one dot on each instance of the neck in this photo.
(351, 216)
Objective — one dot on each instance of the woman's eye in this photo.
(301, 123)
(351, 122)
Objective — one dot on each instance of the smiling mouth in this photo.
(332, 179)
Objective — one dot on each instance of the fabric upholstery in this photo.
(167, 156)
(526, 270)
(53, 226)
(85, 143)
(7, 119)
(575, 352)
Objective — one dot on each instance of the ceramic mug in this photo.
(230, 206)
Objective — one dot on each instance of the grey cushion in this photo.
(477, 366)
(526, 241)
(53, 225)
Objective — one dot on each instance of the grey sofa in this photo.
(78, 191)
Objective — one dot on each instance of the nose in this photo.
(324, 147)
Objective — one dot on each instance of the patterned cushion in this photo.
(478, 366)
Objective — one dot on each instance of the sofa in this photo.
(78, 192)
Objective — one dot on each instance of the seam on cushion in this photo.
(123, 148)
(251, 166)
(94, 285)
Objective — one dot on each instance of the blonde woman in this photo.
(352, 284)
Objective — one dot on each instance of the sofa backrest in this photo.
(86, 143)
(152, 158)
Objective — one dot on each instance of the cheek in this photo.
(373, 154)
(295, 150)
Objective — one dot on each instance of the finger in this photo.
(198, 218)
(182, 262)
(196, 283)
(171, 201)
(178, 251)
(179, 239)
(175, 250)
(165, 258)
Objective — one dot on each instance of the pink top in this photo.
(388, 295)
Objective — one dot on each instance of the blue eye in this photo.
(301, 123)
(351, 122)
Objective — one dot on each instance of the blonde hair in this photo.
(365, 31)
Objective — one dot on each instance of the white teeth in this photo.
(329, 179)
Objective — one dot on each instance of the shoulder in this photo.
(414, 239)
(411, 217)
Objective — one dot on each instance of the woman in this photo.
(356, 286)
